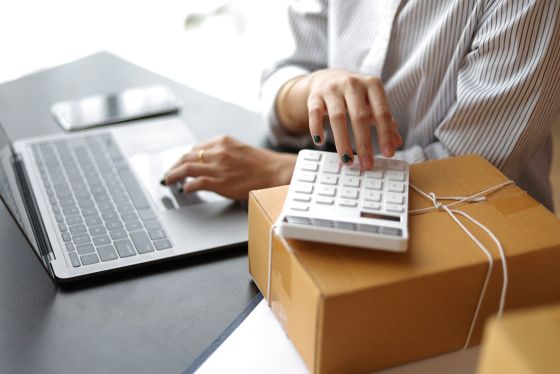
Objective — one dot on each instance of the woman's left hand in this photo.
(230, 168)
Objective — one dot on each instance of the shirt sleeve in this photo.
(508, 85)
(308, 25)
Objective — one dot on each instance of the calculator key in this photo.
(373, 184)
(372, 196)
(395, 165)
(299, 206)
(326, 191)
(353, 170)
(312, 156)
(395, 175)
(349, 203)
(395, 186)
(371, 206)
(394, 208)
(324, 200)
(331, 165)
(302, 198)
(391, 231)
(380, 162)
(349, 193)
(328, 179)
(351, 182)
(310, 166)
(375, 173)
(304, 188)
(307, 177)
(395, 198)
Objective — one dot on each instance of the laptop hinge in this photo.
(39, 231)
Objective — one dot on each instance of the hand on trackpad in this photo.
(149, 166)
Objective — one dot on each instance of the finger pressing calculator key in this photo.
(331, 203)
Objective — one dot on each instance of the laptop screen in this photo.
(7, 177)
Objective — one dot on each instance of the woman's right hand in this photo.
(334, 93)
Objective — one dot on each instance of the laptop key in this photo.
(97, 230)
(62, 227)
(73, 220)
(136, 194)
(118, 234)
(59, 217)
(146, 214)
(162, 244)
(114, 224)
(66, 236)
(84, 249)
(125, 208)
(88, 212)
(93, 221)
(78, 229)
(101, 240)
(133, 226)
(89, 259)
(124, 248)
(157, 234)
(70, 246)
(81, 239)
(141, 241)
(74, 259)
(110, 215)
(107, 253)
(129, 216)
(152, 224)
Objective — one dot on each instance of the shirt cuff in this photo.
(278, 135)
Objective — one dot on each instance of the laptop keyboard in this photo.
(101, 211)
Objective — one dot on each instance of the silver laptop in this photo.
(91, 203)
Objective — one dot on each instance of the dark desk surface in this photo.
(154, 319)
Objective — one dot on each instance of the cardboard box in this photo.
(351, 310)
(526, 342)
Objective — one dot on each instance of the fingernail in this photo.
(366, 162)
(346, 158)
(162, 182)
(181, 190)
(316, 139)
(388, 150)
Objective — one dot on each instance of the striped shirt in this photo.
(461, 76)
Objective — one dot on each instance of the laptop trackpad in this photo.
(150, 167)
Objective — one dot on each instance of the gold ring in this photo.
(201, 155)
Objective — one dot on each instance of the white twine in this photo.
(480, 196)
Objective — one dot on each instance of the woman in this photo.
(434, 78)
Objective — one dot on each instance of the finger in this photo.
(316, 111)
(361, 118)
(202, 183)
(190, 169)
(383, 117)
(192, 155)
(337, 116)
(397, 138)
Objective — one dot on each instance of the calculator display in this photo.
(379, 216)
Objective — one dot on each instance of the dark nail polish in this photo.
(162, 182)
(181, 190)
(346, 158)
(316, 139)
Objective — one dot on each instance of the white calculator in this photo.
(331, 203)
